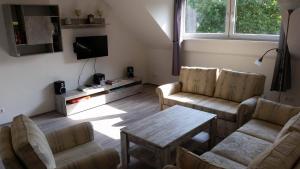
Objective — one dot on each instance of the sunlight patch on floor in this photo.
(107, 127)
(101, 111)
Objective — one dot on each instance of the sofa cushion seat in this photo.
(75, 154)
(241, 147)
(226, 110)
(261, 129)
(184, 99)
(218, 160)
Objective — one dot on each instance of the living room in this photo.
(144, 41)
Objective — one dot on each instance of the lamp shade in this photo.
(289, 4)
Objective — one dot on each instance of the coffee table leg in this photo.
(164, 158)
(124, 150)
(212, 132)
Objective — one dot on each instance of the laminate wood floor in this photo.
(108, 119)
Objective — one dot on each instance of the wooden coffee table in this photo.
(162, 132)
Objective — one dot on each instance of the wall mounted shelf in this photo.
(83, 23)
(32, 29)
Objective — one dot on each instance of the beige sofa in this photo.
(25, 146)
(231, 95)
(271, 140)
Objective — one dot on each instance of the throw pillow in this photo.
(30, 144)
(274, 112)
(198, 80)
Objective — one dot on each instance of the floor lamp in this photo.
(289, 6)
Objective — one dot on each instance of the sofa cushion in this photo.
(289, 126)
(75, 154)
(224, 109)
(261, 129)
(274, 112)
(219, 160)
(7, 154)
(30, 144)
(239, 86)
(198, 80)
(184, 99)
(284, 154)
(241, 147)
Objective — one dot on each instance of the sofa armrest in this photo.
(106, 159)
(70, 137)
(188, 160)
(170, 167)
(166, 90)
(246, 110)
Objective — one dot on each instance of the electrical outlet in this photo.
(1, 110)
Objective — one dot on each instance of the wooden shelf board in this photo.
(83, 23)
(78, 26)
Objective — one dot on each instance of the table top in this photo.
(169, 125)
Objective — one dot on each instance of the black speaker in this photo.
(59, 87)
(98, 77)
(130, 72)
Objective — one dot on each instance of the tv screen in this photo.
(90, 47)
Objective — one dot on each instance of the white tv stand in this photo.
(66, 103)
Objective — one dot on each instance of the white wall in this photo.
(26, 82)
(137, 19)
(163, 13)
(159, 66)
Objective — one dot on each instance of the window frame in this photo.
(229, 33)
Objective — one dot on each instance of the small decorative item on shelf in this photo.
(19, 34)
(78, 14)
(68, 21)
(91, 19)
(99, 13)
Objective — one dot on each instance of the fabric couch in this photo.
(271, 140)
(232, 95)
(23, 145)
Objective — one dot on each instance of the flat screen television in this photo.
(90, 47)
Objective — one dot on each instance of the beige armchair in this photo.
(232, 95)
(25, 146)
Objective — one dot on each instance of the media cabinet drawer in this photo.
(86, 104)
(98, 100)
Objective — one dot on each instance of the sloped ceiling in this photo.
(149, 20)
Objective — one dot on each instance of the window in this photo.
(242, 19)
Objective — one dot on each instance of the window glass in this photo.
(257, 17)
(205, 16)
